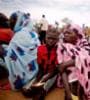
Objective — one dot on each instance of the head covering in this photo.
(81, 54)
(23, 20)
(21, 56)
(78, 29)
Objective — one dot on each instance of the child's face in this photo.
(51, 39)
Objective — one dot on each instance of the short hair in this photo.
(3, 21)
(52, 30)
(43, 16)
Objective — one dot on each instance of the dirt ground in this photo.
(56, 94)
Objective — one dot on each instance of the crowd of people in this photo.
(37, 61)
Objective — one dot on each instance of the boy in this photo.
(47, 60)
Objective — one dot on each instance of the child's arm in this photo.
(50, 75)
(40, 73)
(60, 68)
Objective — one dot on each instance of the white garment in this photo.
(44, 24)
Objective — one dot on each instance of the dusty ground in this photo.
(56, 94)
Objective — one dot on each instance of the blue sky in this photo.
(76, 10)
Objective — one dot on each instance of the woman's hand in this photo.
(63, 66)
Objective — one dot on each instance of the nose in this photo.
(50, 40)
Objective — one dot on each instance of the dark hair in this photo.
(53, 30)
(28, 14)
(3, 21)
(3, 72)
(43, 16)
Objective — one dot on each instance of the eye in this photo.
(67, 32)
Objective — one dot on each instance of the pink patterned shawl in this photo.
(81, 53)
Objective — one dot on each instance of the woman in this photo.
(22, 51)
(75, 53)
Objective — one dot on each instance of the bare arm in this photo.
(40, 73)
(63, 66)
(50, 75)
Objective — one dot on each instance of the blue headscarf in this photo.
(21, 57)
(23, 20)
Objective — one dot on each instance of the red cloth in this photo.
(47, 58)
(6, 35)
(5, 86)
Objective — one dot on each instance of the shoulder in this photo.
(42, 49)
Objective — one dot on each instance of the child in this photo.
(47, 60)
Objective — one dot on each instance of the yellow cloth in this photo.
(75, 97)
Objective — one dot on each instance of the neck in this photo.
(49, 47)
